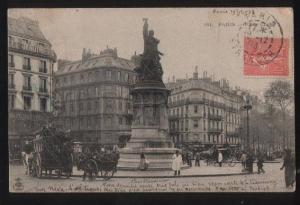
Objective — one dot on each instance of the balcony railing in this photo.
(215, 117)
(27, 87)
(26, 67)
(43, 70)
(32, 49)
(43, 90)
(215, 130)
(11, 64)
(11, 86)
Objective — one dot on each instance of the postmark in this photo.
(261, 41)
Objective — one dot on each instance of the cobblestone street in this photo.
(272, 180)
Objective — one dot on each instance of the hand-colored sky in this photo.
(184, 38)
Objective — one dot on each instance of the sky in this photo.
(185, 38)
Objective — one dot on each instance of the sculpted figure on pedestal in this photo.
(150, 68)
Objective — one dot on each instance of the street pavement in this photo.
(162, 181)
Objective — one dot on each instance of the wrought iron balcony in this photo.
(43, 70)
(32, 49)
(26, 67)
(215, 130)
(215, 117)
(43, 90)
(27, 88)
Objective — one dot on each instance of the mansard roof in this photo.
(104, 60)
(26, 28)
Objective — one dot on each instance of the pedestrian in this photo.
(260, 161)
(243, 160)
(220, 158)
(289, 168)
(249, 162)
(177, 162)
(143, 163)
(197, 159)
(189, 157)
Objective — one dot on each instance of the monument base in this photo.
(159, 158)
(149, 130)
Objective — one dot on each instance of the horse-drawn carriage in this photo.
(93, 163)
(52, 152)
(230, 155)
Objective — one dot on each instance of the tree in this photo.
(280, 95)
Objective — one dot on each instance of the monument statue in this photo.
(150, 126)
(150, 68)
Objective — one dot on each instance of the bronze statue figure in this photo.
(150, 68)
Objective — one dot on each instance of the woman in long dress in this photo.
(143, 163)
(177, 162)
(289, 168)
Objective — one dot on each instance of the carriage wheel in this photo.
(38, 166)
(107, 174)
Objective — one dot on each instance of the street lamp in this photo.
(247, 107)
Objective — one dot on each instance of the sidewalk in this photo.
(202, 171)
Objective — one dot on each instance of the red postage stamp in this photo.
(266, 56)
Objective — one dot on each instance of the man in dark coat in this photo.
(260, 161)
(290, 169)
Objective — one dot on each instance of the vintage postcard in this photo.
(151, 100)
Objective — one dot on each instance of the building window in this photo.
(108, 74)
(27, 83)
(195, 123)
(27, 102)
(96, 106)
(11, 62)
(120, 105)
(71, 107)
(43, 104)
(204, 125)
(11, 82)
(89, 106)
(43, 67)
(186, 125)
(186, 109)
(120, 120)
(24, 41)
(43, 85)
(89, 123)
(26, 63)
(126, 77)
(127, 121)
(80, 106)
(119, 75)
(195, 108)
(11, 101)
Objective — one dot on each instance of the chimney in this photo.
(174, 78)
(186, 76)
(195, 74)
(115, 52)
(83, 56)
(205, 74)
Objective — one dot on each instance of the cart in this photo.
(105, 163)
(52, 152)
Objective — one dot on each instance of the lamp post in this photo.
(247, 107)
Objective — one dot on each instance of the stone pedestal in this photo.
(150, 129)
